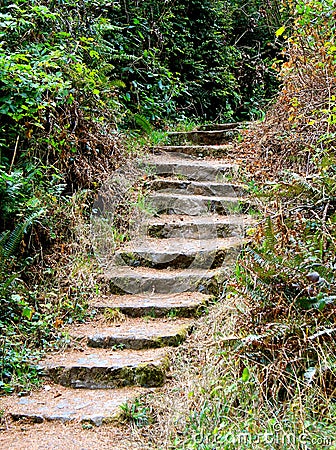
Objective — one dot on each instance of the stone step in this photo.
(192, 169)
(196, 205)
(187, 304)
(197, 187)
(198, 227)
(216, 151)
(133, 334)
(141, 280)
(224, 126)
(106, 369)
(205, 137)
(179, 253)
(57, 403)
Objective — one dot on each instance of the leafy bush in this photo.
(255, 23)
(300, 127)
(56, 100)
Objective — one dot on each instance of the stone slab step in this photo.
(224, 126)
(134, 334)
(196, 187)
(205, 137)
(140, 280)
(106, 369)
(57, 403)
(198, 227)
(179, 253)
(216, 151)
(188, 304)
(192, 169)
(196, 205)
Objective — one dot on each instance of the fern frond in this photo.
(10, 242)
(14, 240)
(143, 123)
(259, 260)
(117, 83)
(270, 239)
(3, 238)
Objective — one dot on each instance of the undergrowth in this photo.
(221, 396)
(44, 291)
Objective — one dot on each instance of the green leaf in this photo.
(280, 31)
(245, 375)
(27, 312)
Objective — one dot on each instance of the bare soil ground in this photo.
(66, 436)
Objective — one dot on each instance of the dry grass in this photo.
(215, 397)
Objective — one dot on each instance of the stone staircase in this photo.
(157, 286)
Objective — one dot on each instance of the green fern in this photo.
(9, 241)
(270, 239)
(118, 83)
(259, 260)
(3, 238)
(143, 123)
